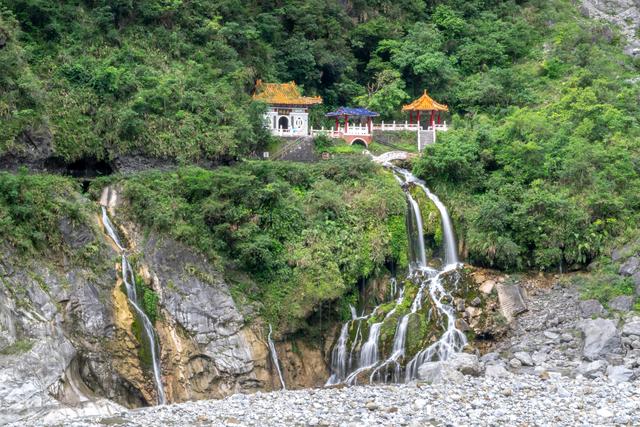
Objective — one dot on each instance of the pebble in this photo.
(519, 400)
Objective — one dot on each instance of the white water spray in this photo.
(274, 357)
(128, 279)
(429, 281)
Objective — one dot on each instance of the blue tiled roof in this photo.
(347, 111)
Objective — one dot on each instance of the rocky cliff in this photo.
(68, 341)
(623, 13)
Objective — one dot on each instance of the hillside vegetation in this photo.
(540, 172)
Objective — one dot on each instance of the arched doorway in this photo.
(283, 123)
(359, 141)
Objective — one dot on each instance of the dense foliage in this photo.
(541, 170)
(551, 182)
(301, 234)
(173, 78)
(32, 208)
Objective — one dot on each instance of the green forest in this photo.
(540, 171)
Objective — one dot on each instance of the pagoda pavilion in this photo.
(357, 125)
(426, 107)
(288, 112)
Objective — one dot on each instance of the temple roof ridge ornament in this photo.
(425, 103)
(283, 94)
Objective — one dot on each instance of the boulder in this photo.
(622, 303)
(490, 357)
(619, 374)
(631, 327)
(600, 338)
(630, 266)
(590, 308)
(439, 372)
(524, 358)
(465, 363)
(511, 301)
(496, 371)
(592, 369)
(487, 287)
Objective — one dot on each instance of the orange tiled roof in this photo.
(425, 103)
(283, 94)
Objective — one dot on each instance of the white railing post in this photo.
(394, 125)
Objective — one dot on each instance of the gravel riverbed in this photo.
(512, 400)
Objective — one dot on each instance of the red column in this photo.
(337, 124)
(346, 124)
(438, 117)
(432, 114)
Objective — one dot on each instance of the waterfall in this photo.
(449, 240)
(274, 358)
(416, 239)
(429, 281)
(128, 279)
(369, 351)
(339, 357)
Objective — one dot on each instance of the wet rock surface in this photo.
(469, 400)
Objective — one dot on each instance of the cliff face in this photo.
(623, 13)
(67, 339)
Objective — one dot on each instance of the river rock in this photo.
(496, 371)
(487, 286)
(465, 363)
(524, 357)
(490, 357)
(438, 372)
(591, 307)
(515, 363)
(619, 374)
(631, 327)
(622, 303)
(600, 338)
(592, 369)
(630, 266)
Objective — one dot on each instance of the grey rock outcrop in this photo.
(623, 13)
(600, 338)
(630, 266)
(591, 307)
(195, 295)
(622, 303)
(53, 328)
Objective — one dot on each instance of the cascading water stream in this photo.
(274, 358)
(449, 239)
(147, 328)
(428, 280)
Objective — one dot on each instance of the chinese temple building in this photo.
(353, 124)
(426, 107)
(288, 112)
